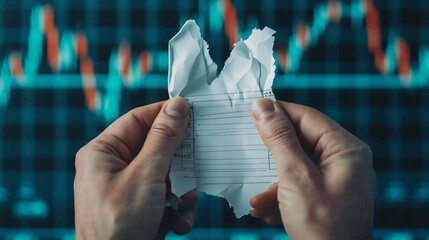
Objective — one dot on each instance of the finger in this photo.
(180, 220)
(188, 200)
(275, 219)
(278, 134)
(124, 138)
(165, 134)
(184, 221)
(265, 211)
(265, 203)
(265, 199)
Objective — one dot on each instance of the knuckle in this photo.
(319, 212)
(361, 149)
(296, 173)
(300, 178)
(368, 163)
(165, 131)
(151, 175)
(279, 133)
(366, 153)
(367, 150)
(79, 158)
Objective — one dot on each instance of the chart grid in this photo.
(111, 56)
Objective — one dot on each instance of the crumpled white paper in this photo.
(248, 74)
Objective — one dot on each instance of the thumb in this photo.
(278, 134)
(164, 137)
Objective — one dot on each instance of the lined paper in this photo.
(222, 147)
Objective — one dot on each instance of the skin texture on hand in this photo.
(326, 179)
(121, 180)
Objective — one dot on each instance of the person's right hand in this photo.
(326, 179)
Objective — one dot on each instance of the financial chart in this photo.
(70, 68)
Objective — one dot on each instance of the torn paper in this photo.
(222, 153)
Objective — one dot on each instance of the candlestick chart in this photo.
(70, 68)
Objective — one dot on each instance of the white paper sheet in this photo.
(222, 153)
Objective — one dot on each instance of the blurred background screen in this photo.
(69, 68)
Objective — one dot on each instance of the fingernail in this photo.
(177, 107)
(262, 108)
(188, 217)
(251, 211)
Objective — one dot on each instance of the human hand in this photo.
(120, 185)
(326, 179)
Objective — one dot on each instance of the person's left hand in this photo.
(120, 185)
